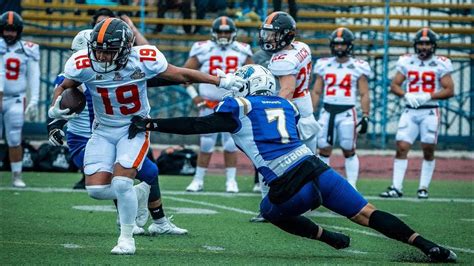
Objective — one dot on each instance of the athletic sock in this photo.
(427, 169)
(399, 169)
(16, 168)
(230, 173)
(352, 169)
(127, 203)
(157, 213)
(200, 173)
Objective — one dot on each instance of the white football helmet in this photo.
(259, 81)
(80, 41)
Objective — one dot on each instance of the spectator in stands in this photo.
(293, 8)
(183, 5)
(204, 6)
(249, 10)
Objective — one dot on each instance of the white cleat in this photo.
(138, 230)
(18, 182)
(143, 191)
(165, 227)
(195, 186)
(231, 186)
(125, 246)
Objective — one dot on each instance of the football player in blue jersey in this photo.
(79, 131)
(264, 128)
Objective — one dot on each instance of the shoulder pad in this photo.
(31, 50)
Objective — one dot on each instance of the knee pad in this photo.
(101, 192)
(122, 184)
(208, 142)
(228, 143)
(14, 137)
(148, 173)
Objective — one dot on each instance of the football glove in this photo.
(364, 124)
(140, 124)
(32, 110)
(423, 98)
(411, 100)
(55, 132)
(229, 81)
(55, 112)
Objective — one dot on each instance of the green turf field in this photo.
(46, 226)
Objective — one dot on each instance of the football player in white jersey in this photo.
(264, 126)
(115, 74)
(426, 79)
(291, 64)
(340, 78)
(20, 60)
(225, 53)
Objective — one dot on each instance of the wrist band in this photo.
(191, 91)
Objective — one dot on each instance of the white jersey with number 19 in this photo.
(117, 95)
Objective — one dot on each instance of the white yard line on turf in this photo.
(242, 194)
(242, 211)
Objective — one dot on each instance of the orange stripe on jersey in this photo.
(339, 32)
(270, 18)
(425, 32)
(143, 151)
(224, 21)
(103, 29)
(10, 18)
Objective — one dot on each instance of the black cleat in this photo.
(422, 193)
(338, 240)
(258, 219)
(81, 184)
(440, 254)
(391, 192)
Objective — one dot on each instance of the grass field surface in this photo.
(49, 223)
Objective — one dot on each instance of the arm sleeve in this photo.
(34, 80)
(159, 82)
(216, 122)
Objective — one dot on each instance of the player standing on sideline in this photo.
(340, 77)
(115, 74)
(225, 53)
(428, 79)
(291, 64)
(264, 127)
(79, 130)
(21, 65)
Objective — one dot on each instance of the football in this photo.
(73, 99)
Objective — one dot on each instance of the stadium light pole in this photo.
(142, 16)
(385, 73)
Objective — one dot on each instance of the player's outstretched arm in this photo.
(216, 122)
(183, 75)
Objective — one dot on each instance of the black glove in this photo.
(56, 133)
(139, 124)
(364, 124)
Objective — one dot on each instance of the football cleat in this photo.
(422, 193)
(258, 219)
(143, 191)
(195, 186)
(231, 186)
(257, 187)
(164, 226)
(125, 246)
(18, 182)
(440, 254)
(391, 192)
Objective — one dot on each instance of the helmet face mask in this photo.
(110, 45)
(425, 43)
(259, 81)
(223, 31)
(277, 32)
(11, 27)
(337, 40)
